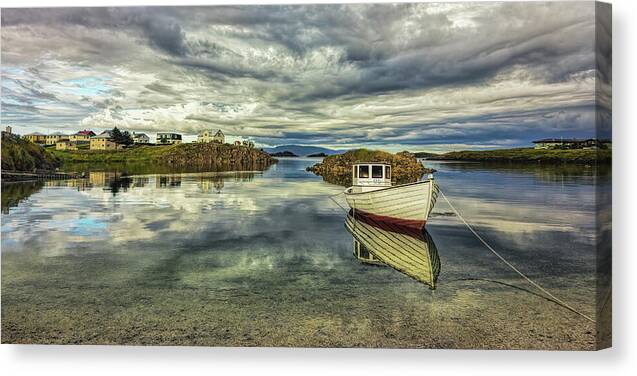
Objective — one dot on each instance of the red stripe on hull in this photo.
(408, 227)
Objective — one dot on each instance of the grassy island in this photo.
(182, 157)
(286, 153)
(337, 169)
(583, 156)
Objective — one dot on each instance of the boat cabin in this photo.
(371, 176)
(363, 255)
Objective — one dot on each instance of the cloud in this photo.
(408, 75)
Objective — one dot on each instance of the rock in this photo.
(337, 169)
(216, 157)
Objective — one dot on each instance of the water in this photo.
(264, 259)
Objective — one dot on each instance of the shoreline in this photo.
(9, 176)
(525, 155)
(193, 157)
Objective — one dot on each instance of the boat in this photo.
(373, 194)
(402, 248)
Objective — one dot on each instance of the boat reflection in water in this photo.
(406, 249)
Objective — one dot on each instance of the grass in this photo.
(337, 169)
(530, 155)
(137, 154)
(368, 155)
(188, 157)
(22, 155)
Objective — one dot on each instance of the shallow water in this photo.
(264, 259)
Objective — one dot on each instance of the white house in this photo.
(168, 138)
(107, 133)
(211, 136)
(140, 138)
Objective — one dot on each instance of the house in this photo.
(36, 137)
(166, 138)
(140, 138)
(53, 138)
(103, 142)
(555, 143)
(572, 143)
(70, 145)
(66, 145)
(108, 133)
(84, 135)
(211, 136)
(8, 130)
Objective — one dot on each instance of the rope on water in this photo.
(336, 202)
(542, 289)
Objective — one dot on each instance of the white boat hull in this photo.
(410, 203)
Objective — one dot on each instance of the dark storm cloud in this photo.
(167, 37)
(223, 71)
(156, 24)
(332, 74)
(436, 58)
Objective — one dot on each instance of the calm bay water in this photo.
(263, 259)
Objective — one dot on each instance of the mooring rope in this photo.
(551, 297)
(542, 289)
(336, 202)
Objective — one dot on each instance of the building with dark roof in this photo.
(572, 143)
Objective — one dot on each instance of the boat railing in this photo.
(357, 162)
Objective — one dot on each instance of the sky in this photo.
(420, 77)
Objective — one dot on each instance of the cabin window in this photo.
(377, 172)
(355, 173)
(387, 172)
(363, 172)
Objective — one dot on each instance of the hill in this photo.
(21, 155)
(302, 150)
(425, 154)
(337, 169)
(183, 157)
(584, 156)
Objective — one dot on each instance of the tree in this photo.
(120, 137)
(116, 135)
(127, 139)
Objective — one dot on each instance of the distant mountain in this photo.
(301, 150)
